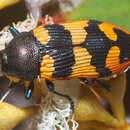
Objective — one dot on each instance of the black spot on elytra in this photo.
(98, 45)
(123, 41)
(59, 37)
(60, 49)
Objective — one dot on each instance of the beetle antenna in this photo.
(29, 90)
(14, 31)
(51, 88)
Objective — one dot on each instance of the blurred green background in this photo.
(114, 11)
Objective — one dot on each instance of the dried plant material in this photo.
(5, 3)
(28, 24)
(115, 95)
(55, 111)
(55, 114)
(5, 37)
(24, 26)
(88, 108)
(10, 115)
(90, 112)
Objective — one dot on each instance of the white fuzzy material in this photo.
(24, 26)
(55, 114)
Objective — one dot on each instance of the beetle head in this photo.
(20, 57)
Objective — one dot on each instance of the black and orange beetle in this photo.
(83, 49)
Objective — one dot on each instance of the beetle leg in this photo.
(29, 90)
(89, 82)
(107, 87)
(51, 88)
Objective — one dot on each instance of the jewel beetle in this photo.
(83, 49)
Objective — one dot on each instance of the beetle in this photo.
(83, 49)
